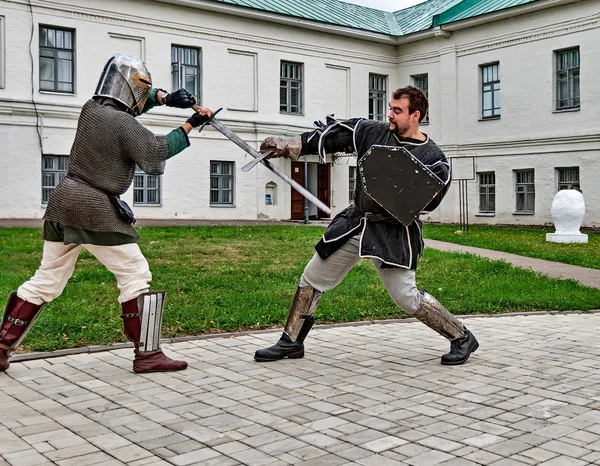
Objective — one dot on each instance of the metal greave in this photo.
(305, 302)
(435, 316)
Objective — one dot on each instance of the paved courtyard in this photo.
(372, 394)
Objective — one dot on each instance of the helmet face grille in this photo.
(142, 90)
(126, 80)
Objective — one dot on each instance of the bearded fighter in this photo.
(366, 230)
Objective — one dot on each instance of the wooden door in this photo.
(297, 198)
(323, 187)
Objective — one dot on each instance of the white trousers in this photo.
(324, 275)
(125, 261)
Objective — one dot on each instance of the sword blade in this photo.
(225, 131)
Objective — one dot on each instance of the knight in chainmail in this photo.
(85, 210)
(366, 230)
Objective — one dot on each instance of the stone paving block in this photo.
(89, 459)
(195, 457)
(29, 457)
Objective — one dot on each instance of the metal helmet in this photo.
(125, 79)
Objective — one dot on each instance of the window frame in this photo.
(528, 189)
(425, 88)
(145, 189)
(378, 97)
(179, 69)
(220, 176)
(487, 187)
(285, 105)
(57, 172)
(572, 76)
(352, 182)
(568, 184)
(55, 51)
(490, 84)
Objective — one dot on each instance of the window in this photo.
(221, 183)
(567, 78)
(487, 192)
(146, 188)
(422, 82)
(377, 97)
(54, 168)
(290, 88)
(185, 70)
(351, 183)
(57, 49)
(490, 91)
(568, 178)
(525, 190)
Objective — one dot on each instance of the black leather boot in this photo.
(285, 347)
(460, 349)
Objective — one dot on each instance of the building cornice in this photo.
(553, 30)
(573, 142)
(204, 32)
(24, 113)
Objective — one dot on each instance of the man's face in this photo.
(401, 122)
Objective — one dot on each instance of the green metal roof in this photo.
(326, 11)
(399, 23)
(469, 8)
(418, 17)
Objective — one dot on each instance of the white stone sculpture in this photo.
(568, 210)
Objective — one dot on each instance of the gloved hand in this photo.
(198, 119)
(283, 147)
(179, 99)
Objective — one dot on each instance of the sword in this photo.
(225, 131)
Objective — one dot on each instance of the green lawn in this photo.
(523, 241)
(222, 279)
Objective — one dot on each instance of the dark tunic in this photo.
(382, 236)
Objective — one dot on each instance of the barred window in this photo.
(568, 178)
(57, 50)
(422, 82)
(221, 183)
(487, 192)
(146, 188)
(351, 183)
(54, 168)
(377, 97)
(185, 70)
(525, 191)
(290, 88)
(490, 91)
(567, 78)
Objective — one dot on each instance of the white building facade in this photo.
(514, 101)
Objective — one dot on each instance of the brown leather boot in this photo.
(153, 360)
(19, 316)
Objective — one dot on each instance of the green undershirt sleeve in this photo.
(177, 140)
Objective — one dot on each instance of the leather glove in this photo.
(179, 99)
(197, 119)
(282, 147)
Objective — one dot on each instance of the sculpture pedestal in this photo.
(567, 237)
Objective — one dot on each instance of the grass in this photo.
(523, 241)
(221, 279)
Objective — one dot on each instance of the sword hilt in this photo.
(196, 107)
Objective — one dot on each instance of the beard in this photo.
(393, 128)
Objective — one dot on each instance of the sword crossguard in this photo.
(208, 121)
